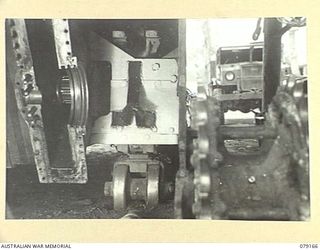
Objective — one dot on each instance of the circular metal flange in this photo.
(120, 186)
(73, 91)
(205, 121)
(153, 179)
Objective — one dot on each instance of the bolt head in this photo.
(252, 179)
(155, 66)
(174, 78)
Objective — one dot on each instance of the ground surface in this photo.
(28, 199)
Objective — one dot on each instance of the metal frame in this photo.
(62, 39)
(28, 96)
(20, 67)
(159, 83)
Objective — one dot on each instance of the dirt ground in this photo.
(28, 199)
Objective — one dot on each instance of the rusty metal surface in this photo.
(18, 144)
(62, 39)
(239, 96)
(182, 93)
(291, 118)
(29, 101)
(246, 132)
(269, 184)
(205, 158)
(24, 84)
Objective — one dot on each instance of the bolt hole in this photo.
(18, 83)
(67, 42)
(14, 34)
(28, 78)
(69, 53)
(16, 45)
(21, 66)
(43, 178)
(65, 31)
(156, 66)
(19, 56)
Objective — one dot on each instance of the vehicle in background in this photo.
(239, 80)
